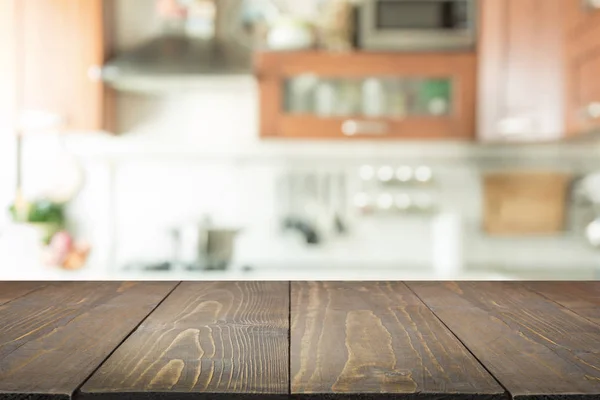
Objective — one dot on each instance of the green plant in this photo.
(41, 211)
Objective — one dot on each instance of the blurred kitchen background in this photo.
(315, 139)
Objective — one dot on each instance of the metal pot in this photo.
(204, 248)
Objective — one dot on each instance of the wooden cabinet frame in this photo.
(273, 68)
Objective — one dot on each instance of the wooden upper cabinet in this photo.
(362, 95)
(59, 53)
(521, 71)
(582, 16)
(539, 75)
(582, 99)
(8, 66)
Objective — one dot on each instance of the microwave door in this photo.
(413, 25)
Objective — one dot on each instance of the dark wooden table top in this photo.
(325, 340)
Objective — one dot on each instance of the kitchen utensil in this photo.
(317, 204)
(219, 249)
(204, 247)
(592, 233)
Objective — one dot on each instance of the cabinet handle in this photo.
(515, 126)
(352, 127)
(592, 110)
(592, 4)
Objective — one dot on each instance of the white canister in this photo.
(447, 253)
(373, 100)
(325, 99)
(290, 34)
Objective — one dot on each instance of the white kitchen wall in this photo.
(7, 172)
(182, 156)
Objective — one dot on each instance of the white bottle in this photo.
(447, 246)
(373, 98)
(325, 99)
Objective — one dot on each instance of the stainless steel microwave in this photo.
(413, 25)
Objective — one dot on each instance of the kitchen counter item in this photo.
(290, 34)
(401, 340)
(203, 246)
(447, 242)
(525, 203)
(336, 26)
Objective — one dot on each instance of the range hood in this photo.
(176, 62)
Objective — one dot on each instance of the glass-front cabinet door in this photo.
(367, 95)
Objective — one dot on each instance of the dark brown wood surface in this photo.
(536, 348)
(582, 298)
(13, 290)
(347, 340)
(377, 339)
(207, 339)
(53, 338)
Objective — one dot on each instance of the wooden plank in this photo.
(583, 298)
(52, 339)
(534, 347)
(12, 290)
(207, 340)
(543, 321)
(377, 339)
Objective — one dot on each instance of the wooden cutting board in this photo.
(525, 203)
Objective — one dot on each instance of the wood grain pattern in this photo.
(52, 339)
(379, 340)
(583, 298)
(536, 348)
(207, 340)
(348, 340)
(12, 290)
